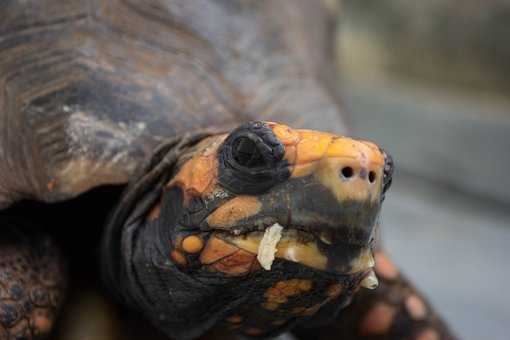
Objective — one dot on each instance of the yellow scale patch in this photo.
(279, 294)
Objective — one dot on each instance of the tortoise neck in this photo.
(139, 196)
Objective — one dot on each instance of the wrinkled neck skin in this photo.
(183, 306)
(176, 302)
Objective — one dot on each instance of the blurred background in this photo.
(430, 81)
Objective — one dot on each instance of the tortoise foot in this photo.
(32, 281)
(395, 310)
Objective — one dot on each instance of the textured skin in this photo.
(31, 282)
(87, 88)
(395, 310)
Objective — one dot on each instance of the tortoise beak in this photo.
(318, 230)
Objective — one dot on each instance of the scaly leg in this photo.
(32, 281)
(395, 310)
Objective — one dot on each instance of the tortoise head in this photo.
(258, 229)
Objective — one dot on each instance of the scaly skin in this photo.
(395, 310)
(32, 279)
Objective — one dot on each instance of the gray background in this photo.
(430, 81)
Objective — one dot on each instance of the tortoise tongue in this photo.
(292, 245)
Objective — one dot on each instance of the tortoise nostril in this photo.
(347, 172)
(372, 176)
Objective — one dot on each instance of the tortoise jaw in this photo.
(306, 248)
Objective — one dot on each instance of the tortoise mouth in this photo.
(310, 247)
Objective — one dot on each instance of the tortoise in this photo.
(143, 134)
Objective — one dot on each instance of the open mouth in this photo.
(308, 247)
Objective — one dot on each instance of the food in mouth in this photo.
(268, 246)
(305, 247)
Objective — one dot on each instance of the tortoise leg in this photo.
(395, 310)
(32, 281)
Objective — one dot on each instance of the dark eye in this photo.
(251, 160)
(246, 153)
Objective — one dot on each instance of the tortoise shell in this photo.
(88, 88)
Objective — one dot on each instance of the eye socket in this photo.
(251, 160)
(246, 153)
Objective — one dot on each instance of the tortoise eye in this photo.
(246, 153)
(251, 160)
